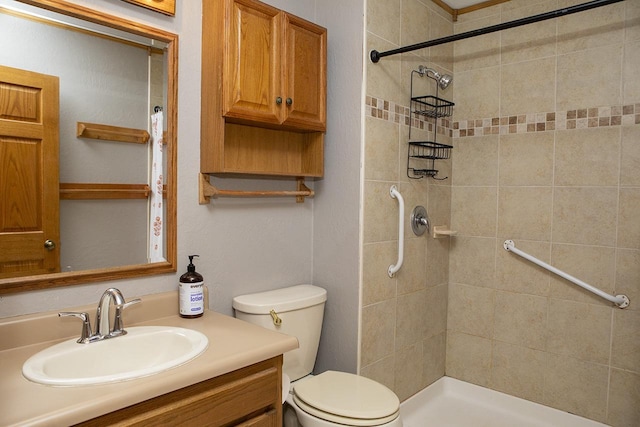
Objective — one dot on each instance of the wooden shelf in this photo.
(112, 133)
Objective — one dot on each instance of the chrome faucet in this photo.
(110, 297)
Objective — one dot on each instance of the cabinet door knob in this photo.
(278, 100)
(289, 101)
(49, 245)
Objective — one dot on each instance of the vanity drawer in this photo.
(248, 397)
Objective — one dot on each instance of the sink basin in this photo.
(143, 351)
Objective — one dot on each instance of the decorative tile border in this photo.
(618, 115)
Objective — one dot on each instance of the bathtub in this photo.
(453, 403)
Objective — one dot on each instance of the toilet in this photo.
(332, 398)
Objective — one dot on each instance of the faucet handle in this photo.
(86, 334)
(118, 326)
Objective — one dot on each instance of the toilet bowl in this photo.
(332, 398)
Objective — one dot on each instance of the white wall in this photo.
(257, 244)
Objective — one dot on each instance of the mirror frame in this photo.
(53, 280)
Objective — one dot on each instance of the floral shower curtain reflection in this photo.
(156, 209)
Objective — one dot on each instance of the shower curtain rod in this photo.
(375, 55)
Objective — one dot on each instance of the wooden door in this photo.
(29, 173)
(252, 63)
(305, 74)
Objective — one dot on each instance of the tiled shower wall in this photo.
(546, 131)
(403, 327)
(547, 153)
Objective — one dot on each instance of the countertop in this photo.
(233, 344)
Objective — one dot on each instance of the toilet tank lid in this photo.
(281, 300)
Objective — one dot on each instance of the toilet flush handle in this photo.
(276, 320)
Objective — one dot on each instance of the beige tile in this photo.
(441, 26)
(630, 158)
(520, 319)
(632, 21)
(516, 371)
(383, 19)
(376, 284)
(434, 357)
(625, 350)
(628, 276)
(516, 274)
(468, 358)
(474, 211)
(477, 52)
(527, 87)
(382, 149)
(527, 159)
(589, 77)
(382, 371)
(587, 157)
(594, 265)
(437, 261)
(624, 396)
(525, 212)
(381, 213)
(575, 386)
(481, 95)
(378, 331)
(414, 23)
(531, 41)
(630, 81)
(594, 28)
(472, 261)
(585, 215)
(628, 224)
(412, 275)
(579, 330)
(439, 205)
(435, 310)
(471, 310)
(384, 79)
(475, 161)
(408, 371)
(410, 319)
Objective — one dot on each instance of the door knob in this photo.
(289, 101)
(278, 100)
(49, 245)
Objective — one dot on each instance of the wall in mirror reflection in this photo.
(102, 81)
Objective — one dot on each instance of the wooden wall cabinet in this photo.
(248, 397)
(263, 91)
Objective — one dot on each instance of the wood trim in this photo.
(112, 133)
(167, 7)
(96, 191)
(208, 191)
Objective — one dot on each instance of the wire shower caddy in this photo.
(421, 155)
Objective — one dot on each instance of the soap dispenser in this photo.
(191, 292)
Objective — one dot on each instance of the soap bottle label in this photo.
(191, 298)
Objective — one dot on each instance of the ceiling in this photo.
(459, 4)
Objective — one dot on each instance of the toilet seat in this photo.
(348, 399)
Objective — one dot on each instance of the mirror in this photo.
(112, 75)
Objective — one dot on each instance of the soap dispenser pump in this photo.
(191, 292)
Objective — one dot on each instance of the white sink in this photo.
(143, 351)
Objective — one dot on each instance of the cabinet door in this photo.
(304, 74)
(252, 62)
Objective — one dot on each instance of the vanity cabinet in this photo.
(248, 397)
(263, 91)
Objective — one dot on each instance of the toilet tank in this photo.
(300, 309)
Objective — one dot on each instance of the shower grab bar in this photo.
(395, 194)
(622, 301)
